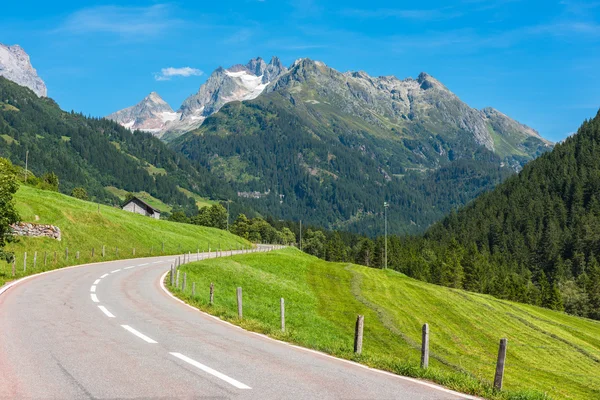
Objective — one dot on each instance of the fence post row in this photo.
(239, 302)
(425, 347)
(358, 334)
(499, 377)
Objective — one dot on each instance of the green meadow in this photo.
(85, 226)
(550, 354)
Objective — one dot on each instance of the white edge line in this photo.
(211, 371)
(116, 270)
(139, 334)
(97, 281)
(406, 378)
(94, 298)
(93, 288)
(105, 311)
(104, 276)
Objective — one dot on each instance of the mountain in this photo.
(330, 147)
(95, 153)
(239, 82)
(16, 66)
(152, 115)
(536, 237)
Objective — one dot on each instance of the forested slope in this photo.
(535, 238)
(93, 153)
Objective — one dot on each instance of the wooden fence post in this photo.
(134, 251)
(358, 334)
(25, 262)
(34, 259)
(77, 255)
(499, 377)
(282, 306)
(163, 247)
(92, 252)
(212, 294)
(425, 347)
(239, 302)
(14, 266)
(184, 282)
(66, 254)
(177, 279)
(117, 251)
(172, 275)
(55, 257)
(193, 289)
(45, 258)
(103, 251)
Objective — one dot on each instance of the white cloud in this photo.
(130, 22)
(167, 73)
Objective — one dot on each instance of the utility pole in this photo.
(385, 207)
(300, 235)
(26, 162)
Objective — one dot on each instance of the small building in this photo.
(139, 206)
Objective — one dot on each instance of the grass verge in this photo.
(550, 354)
(86, 226)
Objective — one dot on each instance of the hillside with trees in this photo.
(93, 153)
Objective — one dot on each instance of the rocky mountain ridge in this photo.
(15, 65)
(236, 83)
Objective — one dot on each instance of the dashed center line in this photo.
(93, 288)
(138, 334)
(211, 371)
(141, 265)
(116, 270)
(97, 281)
(133, 266)
(94, 298)
(105, 311)
(104, 276)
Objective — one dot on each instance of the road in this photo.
(111, 331)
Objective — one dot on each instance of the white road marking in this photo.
(156, 262)
(116, 270)
(94, 298)
(105, 311)
(211, 371)
(141, 265)
(93, 288)
(97, 281)
(138, 334)
(104, 276)
(133, 266)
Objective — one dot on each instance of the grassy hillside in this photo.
(84, 227)
(548, 352)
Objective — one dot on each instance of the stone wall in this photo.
(36, 230)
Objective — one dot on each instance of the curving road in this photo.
(110, 331)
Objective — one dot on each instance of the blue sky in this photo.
(537, 61)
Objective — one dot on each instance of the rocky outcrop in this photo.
(15, 65)
(152, 114)
(236, 83)
(36, 230)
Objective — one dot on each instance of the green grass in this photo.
(200, 201)
(550, 354)
(153, 170)
(9, 140)
(84, 228)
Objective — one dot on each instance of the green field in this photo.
(84, 227)
(550, 354)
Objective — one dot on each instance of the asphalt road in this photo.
(110, 331)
